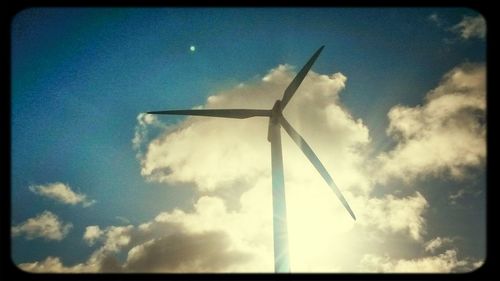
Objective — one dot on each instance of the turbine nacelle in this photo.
(274, 119)
(276, 111)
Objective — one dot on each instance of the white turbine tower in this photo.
(276, 121)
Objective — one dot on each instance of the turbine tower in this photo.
(276, 121)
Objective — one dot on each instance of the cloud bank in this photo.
(234, 233)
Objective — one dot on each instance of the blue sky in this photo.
(81, 76)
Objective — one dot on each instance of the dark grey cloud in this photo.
(188, 252)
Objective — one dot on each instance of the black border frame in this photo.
(489, 270)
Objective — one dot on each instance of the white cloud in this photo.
(144, 124)
(436, 243)
(435, 18)
(62, 193)
(391, 214)
(442, 263)
(471, 27)
(468, 28)
(427, 135)
(50, 264)
(45, 225)
(477, 264)
(459, 194)
(122, 219)
(99, 261)
(113, 238)
(92, 233)
(88, 203)
(448, 260)
(117, 237)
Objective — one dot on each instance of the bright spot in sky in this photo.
(192, 48)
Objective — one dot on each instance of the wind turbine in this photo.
(276, 121)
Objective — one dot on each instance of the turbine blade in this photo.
(315, 161)
(292, 88)
(226, 113)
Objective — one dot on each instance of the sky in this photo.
(394, 107)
